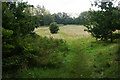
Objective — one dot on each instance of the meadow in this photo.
(87, 58)
(68, 32)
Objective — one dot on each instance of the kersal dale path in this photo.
(87, 58)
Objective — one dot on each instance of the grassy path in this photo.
(80, 61)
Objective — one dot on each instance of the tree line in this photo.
(45, 17)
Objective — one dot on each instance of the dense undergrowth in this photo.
(34, 51)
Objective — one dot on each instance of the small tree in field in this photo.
(53, 27)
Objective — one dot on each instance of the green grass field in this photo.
(87, 58)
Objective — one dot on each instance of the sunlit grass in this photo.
(68, 32)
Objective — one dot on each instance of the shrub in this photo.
(53, 27)
(32, 51)
(50, 52)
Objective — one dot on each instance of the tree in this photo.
(43, 15)
(21, 47)
(63, 18)
(81, 19)
(17, 23)
(102, 23)
(53, 27)
(14, 13)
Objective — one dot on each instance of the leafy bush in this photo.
(49, 51)
(53, 27)
(33, 50)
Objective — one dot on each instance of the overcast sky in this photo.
(73, 7)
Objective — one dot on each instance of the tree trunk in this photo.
(111, 37)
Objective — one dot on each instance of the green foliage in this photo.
(49, 51)
(53, 27)
(16, 19)
(106, 65)
(63, 18)
(16, 24)
(35, 51)
(86, 59)
(23, 48)
(102, 23)
(81, 19)
(43, 15)
(7, 47)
